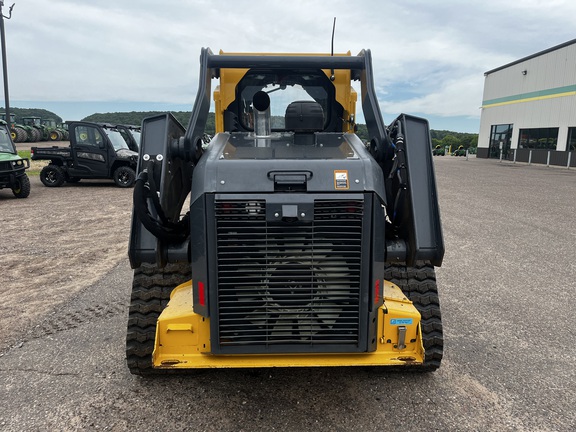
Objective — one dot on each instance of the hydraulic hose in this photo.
(397, 170)
(146, 193)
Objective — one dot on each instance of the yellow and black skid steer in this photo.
(286, 240)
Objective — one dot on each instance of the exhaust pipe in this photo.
(262, 117)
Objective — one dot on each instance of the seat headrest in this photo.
(304, 116)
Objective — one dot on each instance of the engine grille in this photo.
(292, 287)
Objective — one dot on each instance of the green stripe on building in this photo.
(531, 96)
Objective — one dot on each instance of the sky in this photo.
(76, 58)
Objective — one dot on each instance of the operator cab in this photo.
(294, 96)
(285, 115)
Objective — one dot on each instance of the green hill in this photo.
(136, 117)
(32, 112)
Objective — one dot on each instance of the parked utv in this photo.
(12, 167)
(96, 151)
(131, 134)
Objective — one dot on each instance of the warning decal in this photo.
(341, 179)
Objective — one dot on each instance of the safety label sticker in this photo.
(341, 179)
(401, 321)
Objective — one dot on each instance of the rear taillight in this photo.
(377, 291)
(201, 294)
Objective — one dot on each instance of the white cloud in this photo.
(428, 57)
(461, 97)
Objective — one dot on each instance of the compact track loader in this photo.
(299, 244)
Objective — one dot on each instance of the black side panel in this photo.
(170, 172)
(375, 283)
(176, 172)
(423, 227)
(199, 250)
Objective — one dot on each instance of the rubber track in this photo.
(419, 284)
(151, 290)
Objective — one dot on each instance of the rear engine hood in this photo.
(287, 162)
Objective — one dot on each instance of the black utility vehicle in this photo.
(96, 151)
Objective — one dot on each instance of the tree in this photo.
(451, 142)
(436, 142)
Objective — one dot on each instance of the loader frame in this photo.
(160, 236)
(402, 149)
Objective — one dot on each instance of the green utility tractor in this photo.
(438, 151)
(460, 151)
(18, 133)
(39, 132)
(55, 132)
(12, 167)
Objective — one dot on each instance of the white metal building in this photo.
(529, 108)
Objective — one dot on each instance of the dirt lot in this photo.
(55, 242)
(506, 289)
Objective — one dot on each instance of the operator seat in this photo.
(304, 118)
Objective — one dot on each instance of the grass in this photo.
(35, 166)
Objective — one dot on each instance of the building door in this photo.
(500, 139)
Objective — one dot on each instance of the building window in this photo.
(500, 137)
(542, 138)
(571, 139)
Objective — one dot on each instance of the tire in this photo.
(418, 283)
(22, 189)
(54, 136)
(52, 176)
(124, 177)
(30, 135)
(151, 288)
(21, 135)
(37, 134)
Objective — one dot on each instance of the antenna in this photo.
(332, 49)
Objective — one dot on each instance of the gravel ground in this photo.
(54, 243)
(506, 288)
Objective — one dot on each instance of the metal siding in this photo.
(549, 71)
